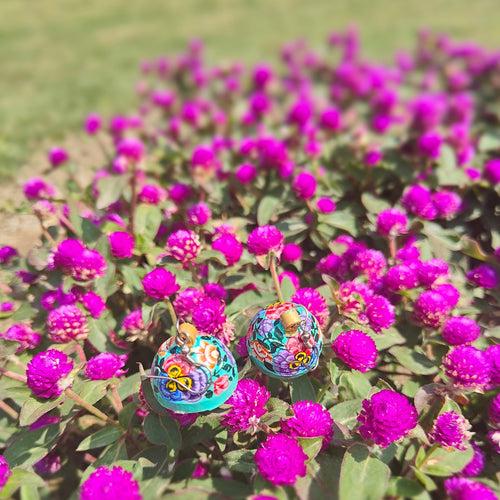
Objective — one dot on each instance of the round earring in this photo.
(284, 340)
(192, 372)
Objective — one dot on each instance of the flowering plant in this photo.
(363, 193)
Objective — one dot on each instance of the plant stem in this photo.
(13, 375)
(90, 408)
(274, 274)
(133, 198)
(80, 352)
(115, 399)
(9, 410)
(392, 247)
(171, 311)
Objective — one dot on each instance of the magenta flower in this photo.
(67, 323)
(431, 270)
(179, 192)
(447, 203)
(460, 488)
(369, 263)
(183, 419)
(330, 119)
(429, 145)
(248, 404)
(314, 302)
(494, 411)
(265, 239)
(187, 301)
(5, 471)
(49, 464)
(459, 330)
(184, 246)
(291, 253)
(451, 429)
(203, 157)
(133, 324)
(57, 156)
(245, 173)
(356, 349)
(198, 214)
(281, 460)
(330, 265)
(291, 276)
(151, 194)
(122, 244)
(160, 284)
(93, 123)
(93, 303)
(110, 484)
(492, 170)
(431, 309)
(304, 185)
(380, 313)
(448, 292)
(105, 365)
(400, 277)
(49, 373)
(467, 367)
(493, 355)
(326, 205)
(209, 316)
(484, 276)
(392, 222)
(131, 148)
(7, 253)
(36, 189)
(23, 335)
(229, 245)
(476, 464)
(372, 157)
(309, 420)
(386, 417)
(417, 200)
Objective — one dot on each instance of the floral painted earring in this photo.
(284, 339)
(192, 372)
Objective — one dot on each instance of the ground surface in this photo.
(60, 59)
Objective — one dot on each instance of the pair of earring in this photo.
(194, 372)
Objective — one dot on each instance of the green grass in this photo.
(61, 59)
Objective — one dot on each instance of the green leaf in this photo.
(489, 141)
(413, 360)
(240, 461)
(311, 446)
(355, 384)
(147, 221)
(389, 338)
(24, 312)
(33, 409)
(162, 430)
(444, 462)
(362, 477)
(19, 478)
(302, 389)
(406, 488)
(287, 288)
(101, 438)
(110, 190)
(267, 208)
(373, 204)
(111, 454)
(205, 428)
(346, 413)
(342, 219)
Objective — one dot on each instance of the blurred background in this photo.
(61, 59)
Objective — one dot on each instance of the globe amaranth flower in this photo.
(369, 263)
(431, 309)
(449, 292)
(476, 464)
(380, 313)
(400, 277)
(49, 373)
(493, 355)
(151, 194)
(417, 200)
(265, 239)
(93, 303)
(326, 205)
(451, 429)
(203, 157)
(484, 276)
(184, 245)
(93, 123)
(294, 279)
(105, 365)
(198, 214)
(429, 144)
(467, 367)
(330, 265)
(431, 270)
(352, 296)
(281, 460)
(57, 156)
(245, 173)
(309, 420)
(110, 484)
(187, 301)
(447, 203)
(160, 283)
(67, 323)
(131, 148)
(392, 222)
(122, 244)
(386, 417)
(133, 324)
(78, 261)
(494, 440)
(356, 349)
(372, 157)
(7, 253)
(248, 404)
(183, 419)
(330, 119)
(49, 464)
(492, 170)
(179, 192)
(291, 252)
(36, 189)
(314, 302)
(229, 245)
(304, 185)
(459, 330)
(45, 421)
(23, 335)
(215, 290)
(5, 471)
(461, 488)
(494, 411)
(209, 315)
(6, 306)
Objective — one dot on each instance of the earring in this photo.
(192, 372)
(284, 339)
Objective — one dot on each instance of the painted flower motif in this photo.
(221, 384)
(260, 351)
(207, 354)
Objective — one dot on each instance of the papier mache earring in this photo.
(284, 339)
(192, 372)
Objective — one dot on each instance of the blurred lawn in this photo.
(60, 59)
